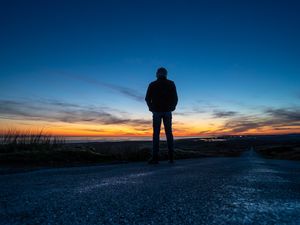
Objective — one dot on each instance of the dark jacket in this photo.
(161, 96)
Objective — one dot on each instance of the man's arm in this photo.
(148, 97)
(175, 96)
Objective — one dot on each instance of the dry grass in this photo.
(42, 149)
(287, 151)
(13, 140)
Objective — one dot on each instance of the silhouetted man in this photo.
(162, 99)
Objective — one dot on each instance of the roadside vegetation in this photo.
(19, 148)
(31, 149)
(18, 141)
(287, 151)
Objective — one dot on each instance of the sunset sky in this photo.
(81, 68)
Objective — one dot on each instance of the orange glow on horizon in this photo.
(192, 128)
(180, 130)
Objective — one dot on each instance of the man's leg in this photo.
(156, 133)
(167, 118)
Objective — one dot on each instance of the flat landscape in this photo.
(16, 157)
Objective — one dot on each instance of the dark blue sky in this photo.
(225, 56)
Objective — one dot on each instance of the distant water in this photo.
(77, 139)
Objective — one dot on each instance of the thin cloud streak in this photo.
(224, 114)
(128, 92)
(56, 111)
(287, 115)
(279, 118)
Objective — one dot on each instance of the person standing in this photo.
(161, 98)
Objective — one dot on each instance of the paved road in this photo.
(245, 190)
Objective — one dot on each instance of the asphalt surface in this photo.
(244, 190)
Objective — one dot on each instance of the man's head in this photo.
(161, 73)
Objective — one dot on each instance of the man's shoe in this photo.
(171, 157)
(153, 161)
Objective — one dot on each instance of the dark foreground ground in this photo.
(16, 157)
(237, 190)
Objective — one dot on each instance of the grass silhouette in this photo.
(27, 148)
(13, 140)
